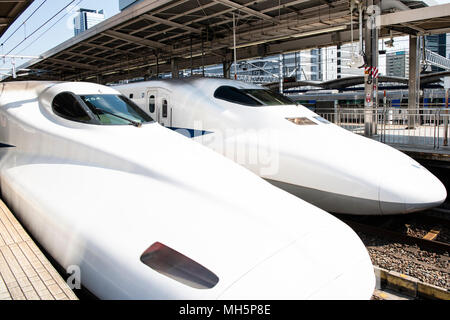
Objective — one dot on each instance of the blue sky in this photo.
(60, 32)
(44, 40)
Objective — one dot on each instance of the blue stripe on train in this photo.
(396, 103)
(190, 133)
(3, 145)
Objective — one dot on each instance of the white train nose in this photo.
(342, 270)
(408, 188)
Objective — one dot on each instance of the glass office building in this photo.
(87, 18)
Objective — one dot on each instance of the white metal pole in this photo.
(4, 56)
(281, 66)
(234, 47)
(14, 74)
(446, 119)
(361, 50)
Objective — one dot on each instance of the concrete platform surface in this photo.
(25, 273)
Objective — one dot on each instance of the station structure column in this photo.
(371, 53)
(174, 68)
(99, 79)
(226, 65)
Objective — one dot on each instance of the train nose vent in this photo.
(178, 267)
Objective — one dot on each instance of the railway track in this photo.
(399, 236)
(416, 245)
(388, 227)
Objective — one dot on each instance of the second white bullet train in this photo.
(147, 214)
(290, 146)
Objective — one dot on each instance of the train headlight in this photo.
(178, 267)
(301, 121)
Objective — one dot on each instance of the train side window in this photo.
(164, 108)
(67, 106)
(151, 103)
(232, 94)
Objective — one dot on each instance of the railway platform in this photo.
(421, 147)
(25, 273)
(427, 154)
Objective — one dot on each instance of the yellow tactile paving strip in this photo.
(25, 273)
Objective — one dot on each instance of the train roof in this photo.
(32, 89)
(206, 84)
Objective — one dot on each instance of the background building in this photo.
(123, 4)
(397, 64)
(437, 43)
(87, 18)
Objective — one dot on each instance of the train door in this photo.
(164, 112)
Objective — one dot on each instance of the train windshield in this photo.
(251, 97)
(268, 98)
(115, 109)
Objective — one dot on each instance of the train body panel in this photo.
(295, 149)
(98, 196)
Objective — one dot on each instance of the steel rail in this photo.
(430, 244)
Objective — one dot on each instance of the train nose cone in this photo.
(309, 268)
(408, 188)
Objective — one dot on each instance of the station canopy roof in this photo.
(9, 11)
(159, 36)
(429, 20)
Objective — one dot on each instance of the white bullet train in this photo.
(149, 214)
(290, 146)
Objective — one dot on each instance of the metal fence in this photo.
(421, 127)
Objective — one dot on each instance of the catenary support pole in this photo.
(234, 47)
(414, 80)
(281, 75)
(368, 78)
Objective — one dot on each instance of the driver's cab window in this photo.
(67, 106)
(100, 109)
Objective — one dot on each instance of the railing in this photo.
(436, 59)
(423, 127)
(247, 77)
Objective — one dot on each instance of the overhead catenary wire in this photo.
(40, 27)
(48, 29)
(23, 23)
